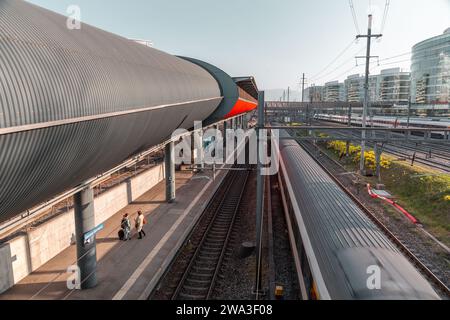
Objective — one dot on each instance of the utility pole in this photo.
(369, 37)
(303, 87)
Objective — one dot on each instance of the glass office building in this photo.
(430, 70)
(394, 86)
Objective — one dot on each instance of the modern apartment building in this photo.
(334, 91)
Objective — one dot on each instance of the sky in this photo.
(273, 40)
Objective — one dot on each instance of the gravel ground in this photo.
(428, 251)
(285, 272)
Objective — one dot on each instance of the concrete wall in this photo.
(33, 248)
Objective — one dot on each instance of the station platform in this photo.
(127, 269)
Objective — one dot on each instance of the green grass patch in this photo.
(424, 193)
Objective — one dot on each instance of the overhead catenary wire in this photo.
(415, 51)
(342, 64)
(379, 64)
(347, 71)
(355, 20)
(316, 76)
(385, 15)
(388, 63)
(322, 75)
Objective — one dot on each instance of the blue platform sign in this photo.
(88, 235)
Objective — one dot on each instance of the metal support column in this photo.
(170, 171)
(201, 151)
(349, 123)
(86, 248)
(377, 150)
(225, 128)
(259, 195)
(194, 152)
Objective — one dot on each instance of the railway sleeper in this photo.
(200, 276)
(203, 268)
(196, 289)
(206, 259)
(209, 251)
(212, 246)
(223, 221)
(188, 296)
(216, 238)
(195, 282)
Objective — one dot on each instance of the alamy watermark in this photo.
(73, 17)
(73, 282)
(374, 280)
(211, 147)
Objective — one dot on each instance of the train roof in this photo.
(344, 241)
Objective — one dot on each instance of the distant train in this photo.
(392, 122)
(340, 250)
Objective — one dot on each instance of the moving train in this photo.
(342, 253)
(391, 122)
(75, 103)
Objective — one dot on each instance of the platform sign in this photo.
(87, 237)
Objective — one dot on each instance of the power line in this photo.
(355, 21)
(341, 65)
(415, 51)
(334, 60)
(384, 59)
(385, 15)
(347, 71)
(388, 63)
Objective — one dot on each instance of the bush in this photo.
(339, 147)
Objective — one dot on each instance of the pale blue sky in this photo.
(274, 40)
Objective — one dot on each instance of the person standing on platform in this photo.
(139, 223)
(126, 227)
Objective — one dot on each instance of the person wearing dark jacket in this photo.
(126, 227)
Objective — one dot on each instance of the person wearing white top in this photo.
(139, 223)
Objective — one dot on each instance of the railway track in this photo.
(400, 245)
(408, 151)
(428, 162)
(201, 273)
(193, 274)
